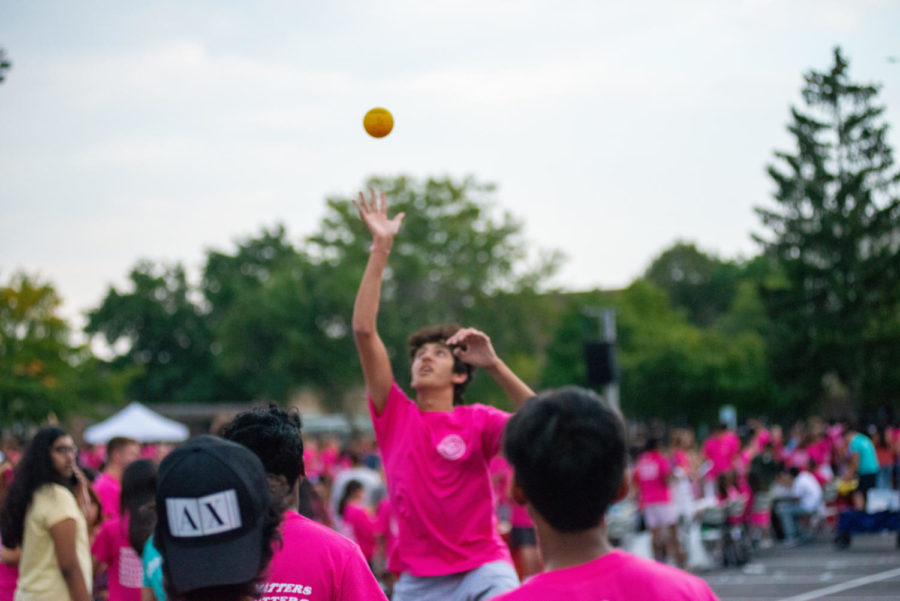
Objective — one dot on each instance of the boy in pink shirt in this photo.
(120, 452)
(568, 452)
(435, 450)
(312, 562)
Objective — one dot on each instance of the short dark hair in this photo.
(568, 450)
(116, 443)
(274, 436)
(440, 334)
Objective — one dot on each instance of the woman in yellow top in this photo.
(42, 515)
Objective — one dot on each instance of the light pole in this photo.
(606, 317)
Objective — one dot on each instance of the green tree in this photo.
(41, 371)
(670, 368)
(835, 240)
(456, 259)
(166, 338)
(702, 284)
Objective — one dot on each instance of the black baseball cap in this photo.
(212, 496)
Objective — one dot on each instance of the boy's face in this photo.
(127, 454)
(432, 367)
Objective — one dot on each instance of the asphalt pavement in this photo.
(867, 571)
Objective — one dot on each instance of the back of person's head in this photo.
(794, 471)
(33, 470)
(440, 334)
(568, 452)
(652, 443)
(118, 444)
(275, 437)
(217, 524)
(137, 500)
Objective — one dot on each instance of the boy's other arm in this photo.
(474, 347)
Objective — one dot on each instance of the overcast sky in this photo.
(153, 129)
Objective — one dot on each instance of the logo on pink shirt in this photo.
(452, 447)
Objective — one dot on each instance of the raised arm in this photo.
(373, 355)
(474, 347)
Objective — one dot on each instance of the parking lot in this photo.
(868, 571)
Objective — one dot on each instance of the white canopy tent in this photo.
(138, 422)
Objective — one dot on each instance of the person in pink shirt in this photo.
(720, 449)
(112, 548)
(357, 523)
(435, 449)
(522, 537)
(567, 449)
(120, 452)
(312, 562)
(652, 477)
(386, 534)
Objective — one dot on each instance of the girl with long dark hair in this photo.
(119, 538)
(43, 513)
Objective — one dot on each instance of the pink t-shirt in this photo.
(501, 478)
(519, 517)
(820, 451)
(9, 576)
(436, 463)
(109, 490)
(386, 526)
(124, 568)
(616, 576)
(721, 451)
(650, 472)
(316, 563)
(799, 457)
(359, 526)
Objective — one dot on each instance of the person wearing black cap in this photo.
(216, 521)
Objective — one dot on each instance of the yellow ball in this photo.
(378, 122)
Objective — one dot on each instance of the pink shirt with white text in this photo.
(651, 473)
(315, 563)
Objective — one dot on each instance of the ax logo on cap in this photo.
(204, 516)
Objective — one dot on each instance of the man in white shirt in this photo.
(807, 500)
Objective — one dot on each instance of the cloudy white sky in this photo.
(158, 129)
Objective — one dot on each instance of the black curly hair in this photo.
(274, 435)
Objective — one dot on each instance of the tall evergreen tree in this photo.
(835, 237)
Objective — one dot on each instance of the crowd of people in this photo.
(450, 501)
(783, 485)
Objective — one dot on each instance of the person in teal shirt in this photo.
(862, 464)
(153, 574)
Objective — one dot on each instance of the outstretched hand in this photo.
(473, 347)
(374, 214)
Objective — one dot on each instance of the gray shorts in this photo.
(480, 584)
